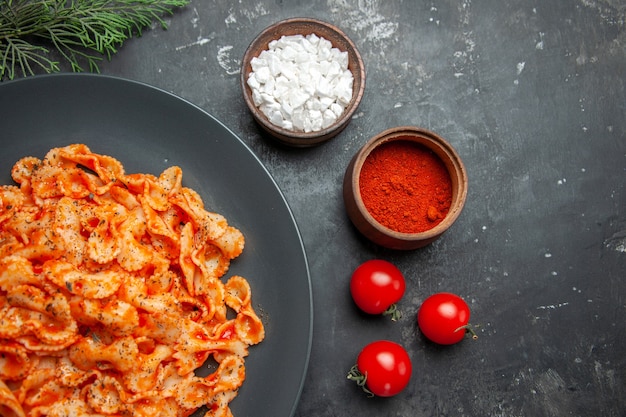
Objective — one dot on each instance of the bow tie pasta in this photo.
(112, 293)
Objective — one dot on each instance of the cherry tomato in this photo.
(383, 369)
(376, 286)
(444, 318)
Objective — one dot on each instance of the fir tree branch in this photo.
(80, 31)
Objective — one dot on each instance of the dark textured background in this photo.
(532, 96)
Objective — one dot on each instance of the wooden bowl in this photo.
(305, 26)
(365, 222)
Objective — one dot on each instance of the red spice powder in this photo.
(405, 186)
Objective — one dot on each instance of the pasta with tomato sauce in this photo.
(113, 292)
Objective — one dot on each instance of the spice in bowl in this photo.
(405, 187)
(301, 83)
(302, 80)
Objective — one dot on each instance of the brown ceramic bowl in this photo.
(375, 231)
(305, 26)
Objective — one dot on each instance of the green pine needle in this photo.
(82, 32)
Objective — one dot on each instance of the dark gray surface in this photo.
(531, 94)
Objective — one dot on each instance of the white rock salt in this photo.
(301, 83)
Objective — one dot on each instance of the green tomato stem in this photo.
(468, 328)
(360, 379)
(394, 312)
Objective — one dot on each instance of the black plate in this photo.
(147, 130)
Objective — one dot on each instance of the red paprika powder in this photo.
(405, 186)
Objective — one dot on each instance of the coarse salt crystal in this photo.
(289, 53)
(314, 39)
(254, 84)
(325, 102)
(262, 75)
(301, 83)
(325, 44)
(336, 108)
(256, 97)
(297, 98)
(328, 118)
(258, 62)
(324, 89)
(273, 63)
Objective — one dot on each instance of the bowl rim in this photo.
(441, 148)
(355, 65)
